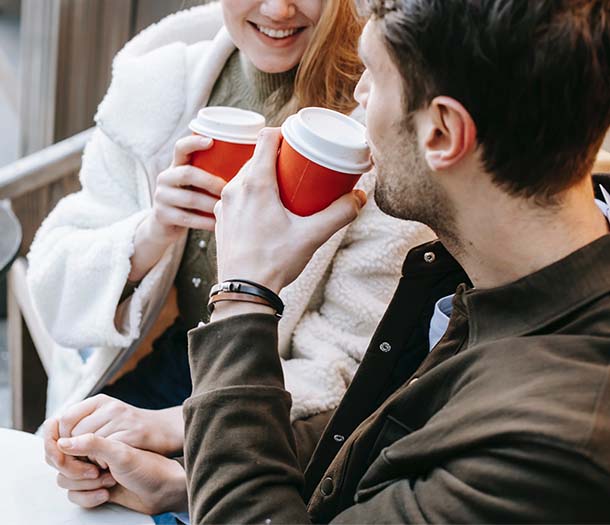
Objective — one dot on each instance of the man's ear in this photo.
(450, 135)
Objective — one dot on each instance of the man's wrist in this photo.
(171, 439)
(176, 489)
(226, 309)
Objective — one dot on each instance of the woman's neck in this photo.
(266, 84)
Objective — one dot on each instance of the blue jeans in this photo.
(162, 379)
(171, 519)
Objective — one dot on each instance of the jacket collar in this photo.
(532, 302)
(539, 299)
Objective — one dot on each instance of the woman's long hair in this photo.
(330, 68)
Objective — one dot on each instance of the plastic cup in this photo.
(322, 157)
(234, 132)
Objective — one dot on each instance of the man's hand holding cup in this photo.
(257, 237)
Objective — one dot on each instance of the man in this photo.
(497, 108)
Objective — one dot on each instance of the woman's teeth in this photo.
(276, 33)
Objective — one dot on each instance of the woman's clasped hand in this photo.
(107, 451)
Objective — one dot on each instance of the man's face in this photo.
(405, 186)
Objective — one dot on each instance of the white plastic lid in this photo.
(228, 124)
(330, 139)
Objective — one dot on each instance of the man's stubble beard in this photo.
(406, 190)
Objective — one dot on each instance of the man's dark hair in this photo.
(534, 75)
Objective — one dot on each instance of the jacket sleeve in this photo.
(241, 454)
(516, 480)
(330, 339)
(242, 460)
(80, 258)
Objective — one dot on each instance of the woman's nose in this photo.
(278, 9)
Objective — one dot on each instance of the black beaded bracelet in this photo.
(250, 288)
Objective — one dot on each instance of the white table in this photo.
(29, 495)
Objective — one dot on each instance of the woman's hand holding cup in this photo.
(185, 195)
(257, 237)
(184, 198)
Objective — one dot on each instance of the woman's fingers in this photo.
(71, 417)
(50, 434)
(92, 423)
(171, 216)
(104, 481)
(187, 199)
(89, 499)
(184, 176)
(186, 146)
(70, 467)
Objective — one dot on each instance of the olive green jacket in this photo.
(506, 420)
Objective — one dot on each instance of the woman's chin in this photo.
(267, 64)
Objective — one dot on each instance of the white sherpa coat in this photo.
(80, 259)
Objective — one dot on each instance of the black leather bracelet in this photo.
(250, 288)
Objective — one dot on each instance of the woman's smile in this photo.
(277, 37)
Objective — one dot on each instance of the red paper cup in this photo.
(306, 187)
(322, 157)
(223, 159)
(234, 132)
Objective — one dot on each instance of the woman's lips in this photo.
(277, 37)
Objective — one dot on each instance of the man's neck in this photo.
(503, 239)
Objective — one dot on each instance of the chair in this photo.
(29, 182)
(30, 344)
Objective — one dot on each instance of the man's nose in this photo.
(361, 91)
(278, 9)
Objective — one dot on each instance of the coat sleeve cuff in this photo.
(237, 351)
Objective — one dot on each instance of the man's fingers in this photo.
(265, 155)
(74, 468)
(339, 214)
(105, 481)
(186, 146)
(89, 499)
(105, 451)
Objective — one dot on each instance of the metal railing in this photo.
(43, 167)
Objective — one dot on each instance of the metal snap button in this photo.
(202, 244)
(385, 347)
(413, 380)
(327, 486)
(196, 282)
(339, 438)
(429, 257)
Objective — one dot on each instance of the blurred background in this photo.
(55, 62)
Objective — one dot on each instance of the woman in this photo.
(103, 263)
